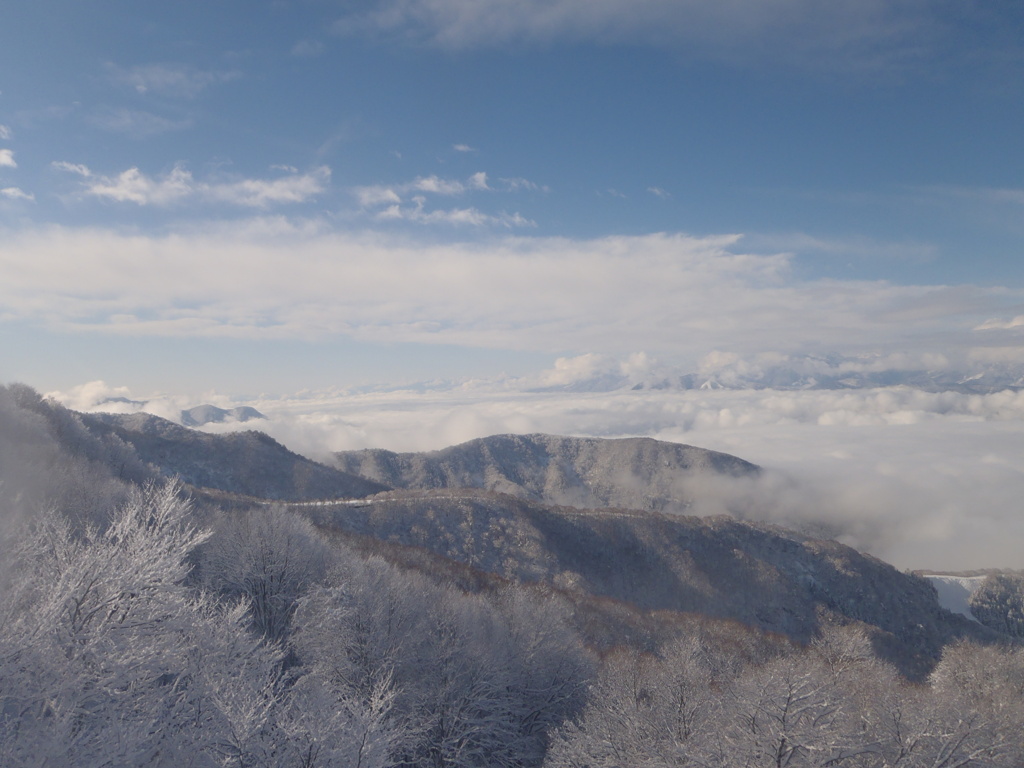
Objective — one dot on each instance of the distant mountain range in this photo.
(799, 374)
(211, 414)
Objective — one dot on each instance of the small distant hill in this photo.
(630, 473)
(246, 463)
(211, 414)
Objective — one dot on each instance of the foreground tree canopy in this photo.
(140, 628)
(279, 649)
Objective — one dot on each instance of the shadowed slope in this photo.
(763, 576)
(249, 463)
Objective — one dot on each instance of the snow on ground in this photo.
(955, 592)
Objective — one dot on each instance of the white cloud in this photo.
(308, 48)
(408, 201)
(516, 184)
(846, 248)
(7, 159)
(13, 193)
(472, 217)
(675, 296)
(259, 193)
(997, 355)
(136, 187)
(370, 196)
(994, 324)
(439, 186)
(729, 368)
(5, 133)
(594, 371)
(659, 192)
(923, 480)
(841, 34)
(456, 147)
(170, 79)
(87, 397)
(137, 123)
(982, 195)
(571, 370)
(100, 397)
(77, 168)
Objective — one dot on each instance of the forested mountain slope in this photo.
(455, 627)
(631, 473)
(763, 576)
(49, 459)
(249, 463)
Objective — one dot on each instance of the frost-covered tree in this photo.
(649, 710)
(474, 681)
(976, 712)
(108, 658)
(97, 622)
(268, 556)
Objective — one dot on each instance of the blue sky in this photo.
(266, 196)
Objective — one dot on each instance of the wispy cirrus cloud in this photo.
(408, 201)
(995, 324)
(180, 80)
(137, 123)
(858, 247)
(417, 212)
(179, 185)
(308, 48)
(838, 35)
(76, 168)
(5, 133)
(1012, 195)
(14, 193)
(374, 195)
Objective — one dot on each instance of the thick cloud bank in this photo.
(675, 296)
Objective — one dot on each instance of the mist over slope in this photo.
(633, 473)
(922, 479)
(211, 414)
(49, 459)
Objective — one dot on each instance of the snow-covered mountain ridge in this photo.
(642, 555)
(632, 473)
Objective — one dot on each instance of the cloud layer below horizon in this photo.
(673, 295)
(922, 480)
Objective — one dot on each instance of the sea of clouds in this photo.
(924, 480)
